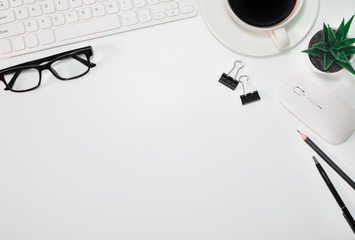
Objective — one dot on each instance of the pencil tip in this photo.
(315, 159)
(304, 137)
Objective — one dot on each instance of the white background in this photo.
(149, 146)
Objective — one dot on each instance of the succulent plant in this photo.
(336, 47)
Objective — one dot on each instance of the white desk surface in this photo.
(149, 146)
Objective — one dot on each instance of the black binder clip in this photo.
(227, 80)
(249, 97)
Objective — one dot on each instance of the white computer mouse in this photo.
(318, 107)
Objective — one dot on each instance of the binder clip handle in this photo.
(234, 66)
(248, 97)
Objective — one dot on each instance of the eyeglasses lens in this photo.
(72, 66)
(22, 80)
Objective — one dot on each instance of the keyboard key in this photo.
(171, 5)
(85, 13)
(129, 19)
(4, 4)
(35, 10)
(11, 30)
(16, 3)
(99, 10)
(75, 3)
(139, 3)
(58, 19)
(172, 13)
(187, 9)
(48, 7)
(31, 25)
(31, 40)
(18, 43)
(144, 15)
(89, 2)
(125, 4)
(29, 1)
(112, 7)
(88, 27)
(6, 17)
(44, 22)
(153, 2)
(21, 13)
(158, 15)
(62, 5)
(71, 16)
(5, 46)
(46, 37)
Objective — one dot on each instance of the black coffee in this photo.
(262, 13)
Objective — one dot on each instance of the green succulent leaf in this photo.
(328, 60)
(342, 57)
(322, 46)
(331, 35)
(344, 43)
(349, 50)
(335, 42)
(347, 27)
(314, 51)
(339, 33)
(335, 53)
(347, 66)
(325, 33)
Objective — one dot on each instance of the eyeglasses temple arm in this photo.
(85, 62)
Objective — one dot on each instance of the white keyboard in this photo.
(31, 25)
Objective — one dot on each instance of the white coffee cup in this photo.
(277, 32)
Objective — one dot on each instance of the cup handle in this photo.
(280, 38)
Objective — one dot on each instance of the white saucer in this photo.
(253, 43)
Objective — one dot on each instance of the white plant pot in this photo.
(316, 70)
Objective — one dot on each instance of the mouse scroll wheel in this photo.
(299, 91)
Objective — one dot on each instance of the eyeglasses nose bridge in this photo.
(48, 66)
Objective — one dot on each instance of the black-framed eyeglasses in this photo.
(65, 66)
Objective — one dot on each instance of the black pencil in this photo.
(336, 195)
(327, 159)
